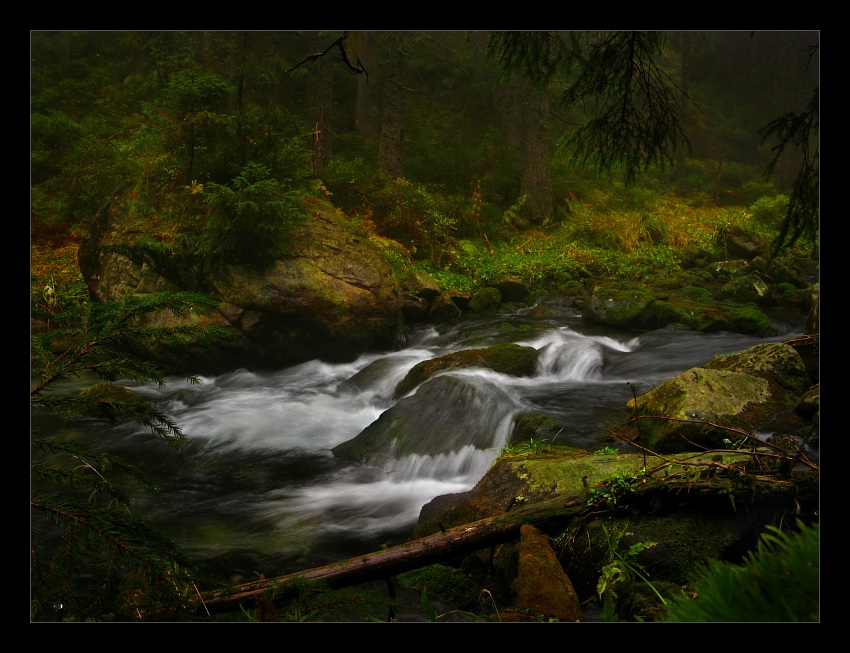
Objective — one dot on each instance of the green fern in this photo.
(778, 582)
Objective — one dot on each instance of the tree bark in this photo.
(391, 143)
(684, 89)
(320, 92)
(406, 557)
(525, 124)
(366, 111)
(554, 513)
(536, 182)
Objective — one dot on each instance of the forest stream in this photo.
(256, 488)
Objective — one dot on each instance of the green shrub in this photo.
(769, 210)
(754, 189)
(778, 582)
(351, 183)
(421, 221)
(247, 223)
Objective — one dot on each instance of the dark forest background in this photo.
(421, 135)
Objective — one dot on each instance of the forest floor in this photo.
(54, 264)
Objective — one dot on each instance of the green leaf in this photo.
(430, 613)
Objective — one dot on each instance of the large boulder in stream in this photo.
(704, 406)
(505, 358)
(331, 294)
(421, 424)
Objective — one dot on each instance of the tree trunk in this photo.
(406, 557)
(507, 100)
(391, 144)
(536, 182)
(684, 79)
(64, 57)
(526, 130)
(320, 92)
(465, 539)
(366, 110)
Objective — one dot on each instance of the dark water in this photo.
(256, 489)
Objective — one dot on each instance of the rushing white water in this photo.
(258, 489)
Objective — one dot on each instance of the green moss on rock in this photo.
(450, 584)
(751, 321)
(506, 358)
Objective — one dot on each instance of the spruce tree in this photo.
(92, 558)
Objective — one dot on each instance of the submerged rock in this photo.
(426, 423)
(505, 358)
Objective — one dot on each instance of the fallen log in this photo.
(485, 533)
(405, 557)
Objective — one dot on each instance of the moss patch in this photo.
(506, 358)
(450, 584)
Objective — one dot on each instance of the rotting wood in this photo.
(405, 557)
(465, 539)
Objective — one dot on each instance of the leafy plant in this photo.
(415, 217)
(769, 210)
(527, 448)
(605, 451)
(92, 558)
(621, 567)
(778, 582)
(615, 486)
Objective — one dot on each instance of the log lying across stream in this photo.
(408, 556)
(475, 536)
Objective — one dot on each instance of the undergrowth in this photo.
(778, 582)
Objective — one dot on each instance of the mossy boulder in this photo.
(415, 309)
(617, 306)
(534, 427)
(330, 294)
(710, 319)
(739, 242)
(443, 309)
(421, 285)
(506, 358)
(747, 288)
(420, 424)
(751, 321)
(694, 256)
(743, 391)
(514, 480)
(777, 362)
(685, 412)
(630, 307)
(485, 300)
(110, 401)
